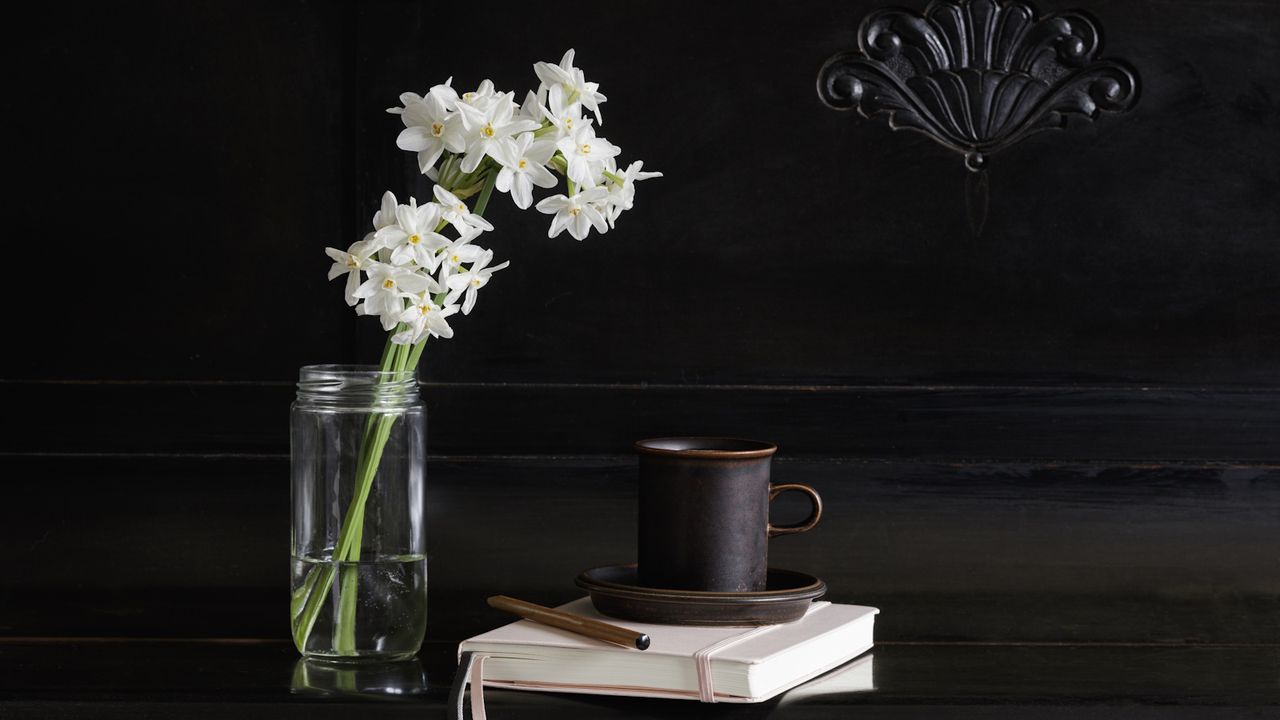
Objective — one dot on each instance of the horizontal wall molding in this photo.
(1226, 424)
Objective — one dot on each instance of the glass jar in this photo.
(358, 459)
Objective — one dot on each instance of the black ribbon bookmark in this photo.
(458, 693)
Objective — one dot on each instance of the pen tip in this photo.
(642, 642)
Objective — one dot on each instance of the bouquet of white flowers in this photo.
(413, 276)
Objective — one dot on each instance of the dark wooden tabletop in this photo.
(1005, 590)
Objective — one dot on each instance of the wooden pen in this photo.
(572, 623)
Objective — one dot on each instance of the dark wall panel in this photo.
(216, 149)
(789, 242)
(175, 166)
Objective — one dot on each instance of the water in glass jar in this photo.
(390, 606)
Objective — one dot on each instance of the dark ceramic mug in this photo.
(704, 513)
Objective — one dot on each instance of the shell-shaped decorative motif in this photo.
(977, 75)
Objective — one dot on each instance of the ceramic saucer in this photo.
(615, 592)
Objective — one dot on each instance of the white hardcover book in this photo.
(714, 664)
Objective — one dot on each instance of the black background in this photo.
(1066, 426)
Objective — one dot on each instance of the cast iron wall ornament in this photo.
(977, 75)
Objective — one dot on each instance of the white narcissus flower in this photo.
(487, 124)
(532, 108)
(573, 81)
(424, 318)
(350, 263)
(456, 213)
(586, 154)
(621, 197)
(523, 163)
(383, 293)
(429, 130)
(470, 282)
(565, 116)
(577, 213)
(385, 215)
(414, 235)
(459, 251)
(444, 93)
(481, 95)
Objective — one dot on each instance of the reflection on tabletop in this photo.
(857, 675)
(386, 681)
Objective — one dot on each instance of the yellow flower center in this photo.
(455, 259)
(568, 123)
(475, 282)
(353, 263)
(574, 211)
(388, 283)
(414, 239)
(522, 164)
(585, 149)
(437, 129)
(467, 96)
(461, 207)
(487, 130)
(426, 308)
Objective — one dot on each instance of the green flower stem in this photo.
(344, 627)
(559, 164)
(445, 173)
(310, 598)
(469, 190)
(384, 365)
(483, 203)
(351, 533)
(416, 354)
(307, 603)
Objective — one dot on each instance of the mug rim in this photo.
(742, 448)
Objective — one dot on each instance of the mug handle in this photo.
(814, 515)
